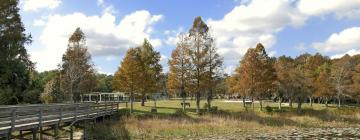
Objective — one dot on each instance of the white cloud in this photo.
(340, 42)
(256, 21)
(100, 2)
(35, 5)
(172, 36)
(104, 37)
(39, 22)
(350, 52)
(341, 8)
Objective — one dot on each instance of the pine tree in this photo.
(15, 66)
(128, 77)
(77, 73)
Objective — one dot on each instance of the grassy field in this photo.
(230, 119)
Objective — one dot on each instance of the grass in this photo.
(230, 119)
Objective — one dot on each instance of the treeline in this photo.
(304, 78)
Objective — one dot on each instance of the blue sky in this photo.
(285, 27)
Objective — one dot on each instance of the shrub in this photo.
(214, 109)
(268, 109)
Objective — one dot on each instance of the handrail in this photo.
(17, 117)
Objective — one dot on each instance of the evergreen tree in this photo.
(15, 66)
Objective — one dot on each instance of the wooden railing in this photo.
(24, 117)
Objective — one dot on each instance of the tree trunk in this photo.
(260, 101)
(280, 100)
(154, 103)
(209, 98)
(326, 102)
(244, 103)
(311, 101)
(183, 103)
(339, 101)
(198, 102)
(252, 103)
(299, 105)
(290, 103)
(143, 100)
(131, 102)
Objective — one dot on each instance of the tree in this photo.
(52, 93)
(198, 50)
(128, 76)
(213, 66)
(257, 74)
(151, 70)
(284, 68)
(15, 65)
(77, 73)
(179, 72)
(341, 76)
(323, 84)
(355, 86)
(310, 67)
(103, 83)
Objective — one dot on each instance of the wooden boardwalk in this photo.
(24, 120)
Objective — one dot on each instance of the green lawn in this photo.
(230, 119)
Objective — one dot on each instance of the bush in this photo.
(179, 113)
(205, 106)
(268, 109)
(214, 109)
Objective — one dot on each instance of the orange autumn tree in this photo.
(128, 76)
(179, 74)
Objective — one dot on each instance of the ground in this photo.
(230, 121)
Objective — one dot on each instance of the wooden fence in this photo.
(33, 118)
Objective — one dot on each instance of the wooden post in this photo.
(56, 132)
(13, 118)
(34, 131)
(117, 106)
(71, 133)
(40, 122)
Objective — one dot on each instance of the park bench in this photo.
(186, 104)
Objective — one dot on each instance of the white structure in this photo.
(104, 97)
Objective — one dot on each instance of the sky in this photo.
(284, 27)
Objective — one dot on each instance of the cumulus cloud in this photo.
(35, 5)
(172, 36)
(340, 42)
(251, 23)
(104, 36)
(350, 52)
(340, 8)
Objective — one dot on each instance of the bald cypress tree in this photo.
(15, 66)
(77, 72)
(128, 76)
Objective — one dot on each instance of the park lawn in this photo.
(230, 119)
